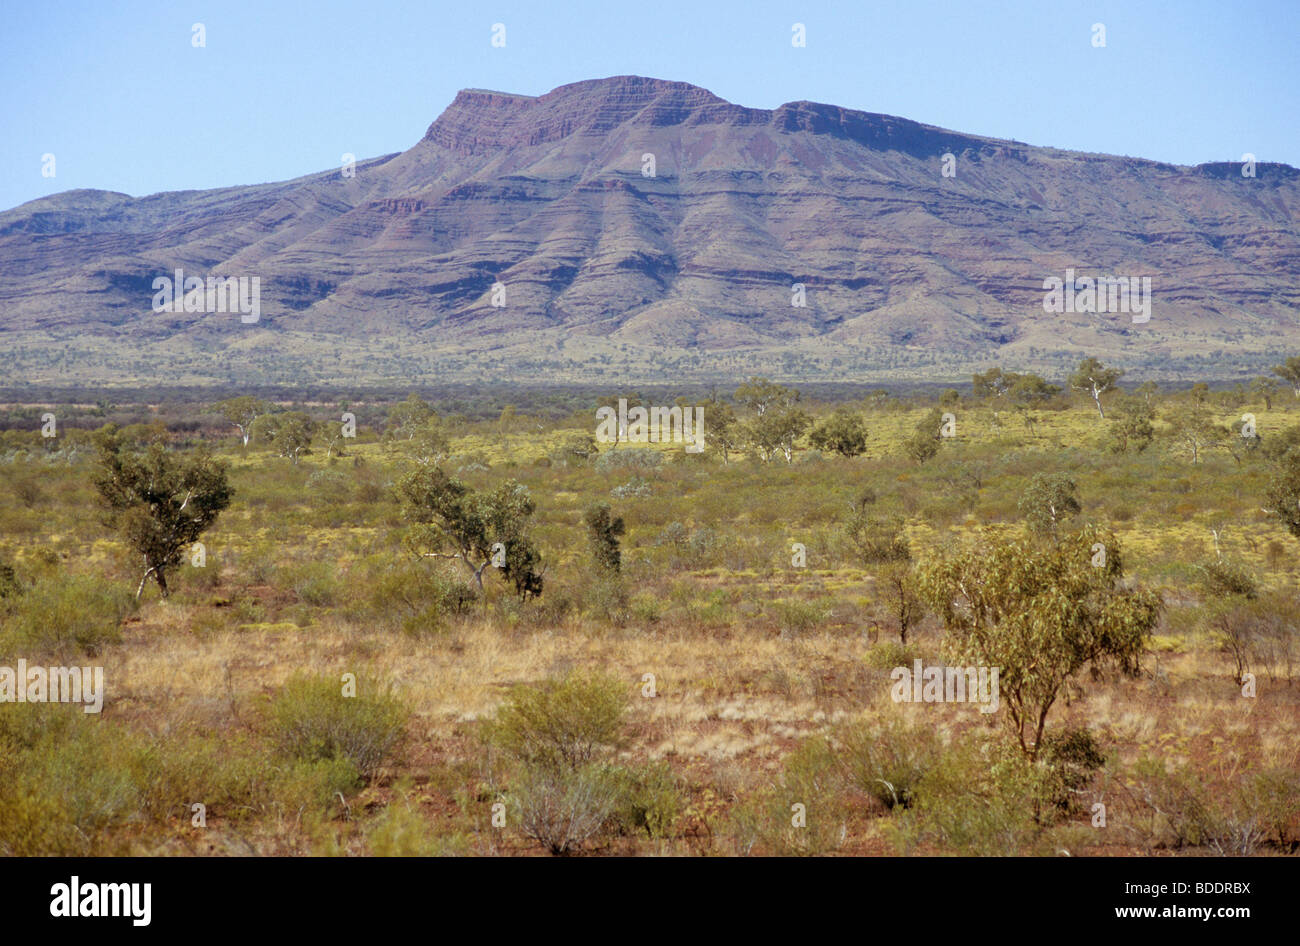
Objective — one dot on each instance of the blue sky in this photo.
(124, 101)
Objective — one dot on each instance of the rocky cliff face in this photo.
(390, 273)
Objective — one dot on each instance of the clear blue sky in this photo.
(117, 93)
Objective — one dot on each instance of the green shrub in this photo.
(309, 788)
(1222, 579)
(576, 449)
(645, 608)
(636, 458)
(876, 539)
(1072, 757)
(227, 776)
(415, 600)
(565, 723)
(1276, 791)
(799, 617)
(65, 778)
(649, 800)
(632, 489)
(34, 824)
(329, 484)
(66, 614)
(311, 720)
(1177, 803)
(887, 761)
(401, 831)
(9, 584)
(313, 583)
(606, 599)
(980, 800)
(1183, 809)
(887, 655)
(802, 814)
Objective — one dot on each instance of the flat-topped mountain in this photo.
(638, 229)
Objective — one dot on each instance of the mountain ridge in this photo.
(389, 273)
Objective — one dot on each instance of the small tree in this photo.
(330, 433)
(1048, 501)
(576, 449)
(508, 423)
(1130, 426)
(1265, 388)
(407, 417)
(1039, 613)
(761, 395)
(877, 539)
(603, 531)
(1030, 388)
(242, 411)
(1022, 388)
(1289, 371)
(992, 384)
(1279, 444)
(776, 430)
(289, 433)
(1094, 379)
(902, 595)
(1194, 429)
(842, 432)
(451, 520)
(160, 502)
(428, 442)
(924, 443)
(721, 429)
(9, 584)
(1282, 495)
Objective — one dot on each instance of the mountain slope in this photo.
(389, 274)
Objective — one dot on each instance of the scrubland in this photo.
(709, 697)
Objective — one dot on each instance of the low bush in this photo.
(979, 800)
(887, 655)
(64, 615)
(799, 617)
(887, 761)
(649, 800)
(307, 789)
(416, 600)
(629, 458)
(803, 814)
(312, 720)
(561, 807)
(401, 831)
(1071, 757)
(564, 723)
(1183, 809)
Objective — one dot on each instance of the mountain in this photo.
(610, 274)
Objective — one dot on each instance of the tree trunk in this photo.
(158, 576)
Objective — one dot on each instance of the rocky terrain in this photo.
(388, 273)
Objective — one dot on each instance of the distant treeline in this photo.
(191, 410)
